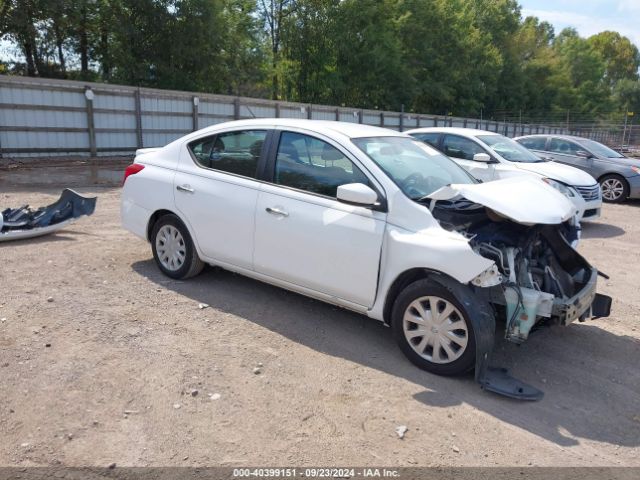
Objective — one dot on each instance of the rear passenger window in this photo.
(310, 164)
(533, 143)
(558, 145)
(231, 152)
(430, 138)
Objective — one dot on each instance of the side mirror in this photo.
(357, 194)
(482, 157)
(583, 154)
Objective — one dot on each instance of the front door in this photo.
(304, 236)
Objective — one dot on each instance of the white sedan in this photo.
(491, 156)
(370, 220)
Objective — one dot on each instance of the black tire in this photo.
(192, 264)
(430, 288)
(607, 180)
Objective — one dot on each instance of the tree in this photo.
(308, 44)
(620, 56)
(370, 71)
(243, 56)
(274, 13)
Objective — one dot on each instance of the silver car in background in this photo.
(619, 176)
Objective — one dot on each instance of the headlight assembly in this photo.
(561, 187)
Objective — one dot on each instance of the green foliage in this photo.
(441, 56)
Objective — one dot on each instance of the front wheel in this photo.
(433, 329)
(173, 249)
(615, 189)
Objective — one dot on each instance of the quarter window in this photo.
(460, 147)
(310, 164)
(232, 152)
(558, 145)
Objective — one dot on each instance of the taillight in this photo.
(132, 170)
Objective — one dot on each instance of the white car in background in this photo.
(491, 156)
(371, 220)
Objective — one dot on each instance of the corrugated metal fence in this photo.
(50, 117)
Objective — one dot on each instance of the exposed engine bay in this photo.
(541, 278)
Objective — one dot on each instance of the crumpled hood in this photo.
(558, 171)
(522, 199)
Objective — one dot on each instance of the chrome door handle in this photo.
(185, 188)
(276, 211)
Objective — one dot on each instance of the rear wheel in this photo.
(173, 249)
(433, 329)
(615, 188)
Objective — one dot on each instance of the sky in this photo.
(588, 16)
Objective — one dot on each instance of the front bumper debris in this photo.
(26, 222)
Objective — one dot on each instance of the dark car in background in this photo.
(618, 175)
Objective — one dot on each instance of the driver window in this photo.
(558, 145)
(460, 147)
(310, 164)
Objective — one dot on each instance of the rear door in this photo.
(565, 151)
(216, 191)
(304, 236)
(462, 150)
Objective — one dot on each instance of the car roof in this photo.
(468, 132)
(327, 127)
(554, 135)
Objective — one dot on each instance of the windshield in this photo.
(509, 149)
(600, 150)
(418, 169)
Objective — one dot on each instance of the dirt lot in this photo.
(103, 359)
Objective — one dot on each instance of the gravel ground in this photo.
(103, 359)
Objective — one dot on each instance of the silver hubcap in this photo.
(170, 247)
(612, 189)
(435, 329)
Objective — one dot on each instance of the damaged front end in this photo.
(537, 279)
(26, 222)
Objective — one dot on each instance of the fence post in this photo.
(418, 121)
(360, 115)
(464, 123)
(402, 117)
(136, 94)
(382, 119)
(435, 121)
(194, 112)
(277, 110)
(236, 108)
(309, 112)
(89, 95)
(337, 114)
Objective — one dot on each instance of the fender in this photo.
(493, 379)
